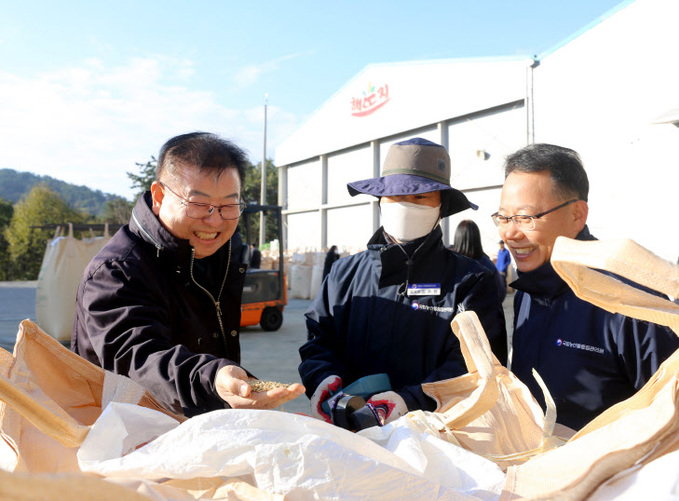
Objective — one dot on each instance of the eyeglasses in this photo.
(525, 223)
(196, 210)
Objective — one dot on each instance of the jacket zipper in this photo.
(216, 302)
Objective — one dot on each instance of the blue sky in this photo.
(88, 88)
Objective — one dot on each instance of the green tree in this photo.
(251, 193)
(41, 206)
(118, 211)
(142, 181)
(6, 210)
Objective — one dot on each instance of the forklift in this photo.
(265, 292)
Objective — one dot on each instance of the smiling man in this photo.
(589, 358)
(161, 302)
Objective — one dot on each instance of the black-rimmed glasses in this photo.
(525, 223)
(196, 210)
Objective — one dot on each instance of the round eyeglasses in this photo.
(196, 210)
(525, 223)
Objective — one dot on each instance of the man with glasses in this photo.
(161, 302)
(588, 358)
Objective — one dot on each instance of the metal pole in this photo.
(530, 101)
(262, 196)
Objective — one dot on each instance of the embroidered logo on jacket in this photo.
(579, 346)
(425, 307)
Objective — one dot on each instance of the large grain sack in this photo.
(62, 267)
(300, 281)
(316, 280)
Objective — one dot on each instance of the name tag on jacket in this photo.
(424, 289)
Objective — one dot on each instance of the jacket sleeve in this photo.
(452, 366)
(483, 299)
(127, 320)
(320, 353)
(642, 347)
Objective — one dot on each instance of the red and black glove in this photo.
(329, 388)
(389, 406)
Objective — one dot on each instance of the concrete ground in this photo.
(274, 356)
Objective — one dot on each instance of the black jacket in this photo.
(147, 310)
(359, 324)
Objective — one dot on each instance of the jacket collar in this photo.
(146, 225)
(397, 258)
(544, 282)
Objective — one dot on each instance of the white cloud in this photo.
(89, 124)
(248, 75)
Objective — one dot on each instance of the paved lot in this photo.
(272, 356)
(17, 302)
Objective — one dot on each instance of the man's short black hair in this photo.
(564, 165)
(209, 152)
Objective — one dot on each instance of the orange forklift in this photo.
(265, 292)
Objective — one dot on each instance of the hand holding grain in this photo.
(234, 387)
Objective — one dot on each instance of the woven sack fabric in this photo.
(49, 399)
(638, 430)
(488, 410)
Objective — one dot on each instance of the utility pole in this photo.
(262, 196)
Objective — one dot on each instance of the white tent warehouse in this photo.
(611, 92)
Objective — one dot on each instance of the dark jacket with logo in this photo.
(361, 323)
(146, 309)
(589, 358)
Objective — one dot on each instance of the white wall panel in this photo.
(304, 186)
(350, 228)
(478, 147)
(304, 231)
(344, 167)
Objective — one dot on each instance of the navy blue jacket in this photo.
(145, 309)
(359, 324)
(589, 358)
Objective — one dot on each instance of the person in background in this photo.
(255, 257)
(331, 256)
(504, 259)
(240, 249)
(467, 241)
(589, 358)
(160, 303)
(389, 308)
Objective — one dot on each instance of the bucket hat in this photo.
(412, 167)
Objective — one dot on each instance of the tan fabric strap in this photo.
(579, 263)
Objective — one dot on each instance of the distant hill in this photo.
(14, 185)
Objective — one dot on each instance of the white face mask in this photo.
(406, 221)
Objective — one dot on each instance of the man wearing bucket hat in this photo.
(388, 309)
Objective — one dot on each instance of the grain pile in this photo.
(258, 385)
